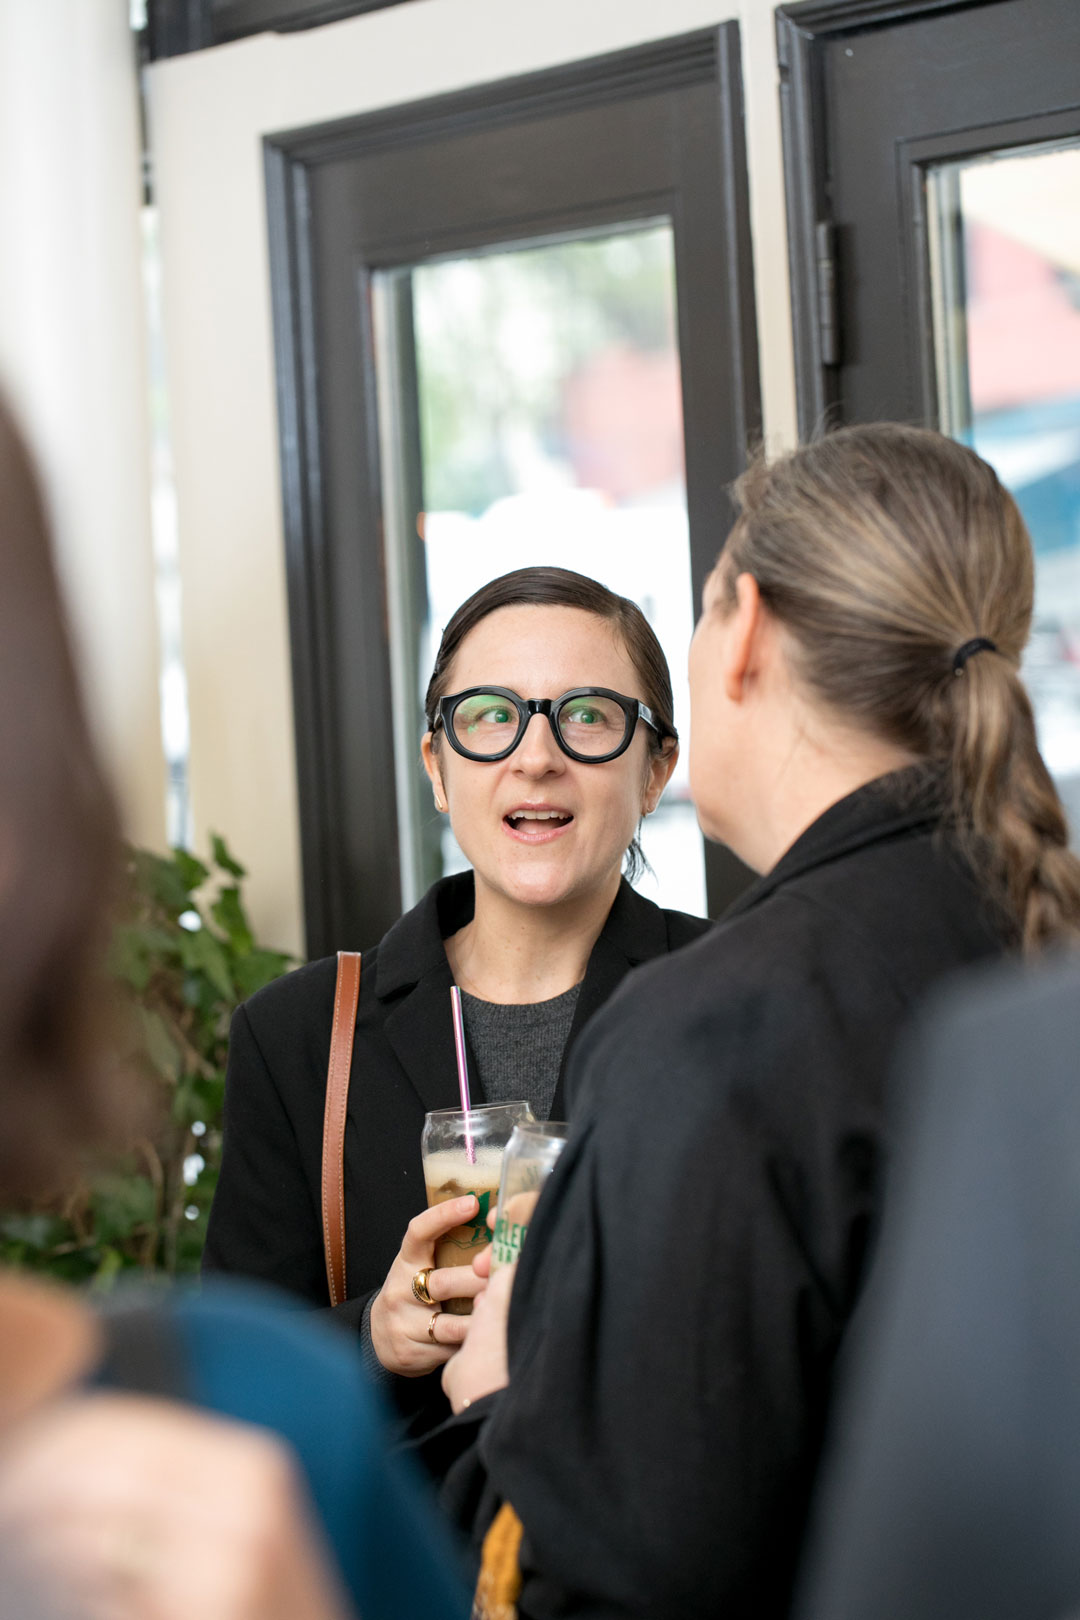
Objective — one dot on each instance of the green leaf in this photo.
(209, 1091)
(228, 912)
(161, 1049)
(34, 1231)
(257, 968)
(122, 1205)
(111, 1262)
(162, 882)
(193, 874)
(128, 957)
(223, 859)
(202, 953)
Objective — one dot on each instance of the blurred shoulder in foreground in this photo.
(954, 1488)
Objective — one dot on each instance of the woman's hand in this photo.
(480, 1366)
(399, 1322)
(119, 1508)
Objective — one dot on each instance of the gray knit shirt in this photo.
(519, 1049)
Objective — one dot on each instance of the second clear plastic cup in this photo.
(450, 1172)
(530, 1157)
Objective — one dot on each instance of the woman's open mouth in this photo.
(537, 826)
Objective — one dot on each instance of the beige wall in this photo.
(72, 352)
(209, 112)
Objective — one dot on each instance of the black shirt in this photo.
(695, 1257)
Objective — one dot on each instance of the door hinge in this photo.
(828, 310)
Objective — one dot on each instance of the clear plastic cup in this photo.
(463, 1153)
(530, 1157)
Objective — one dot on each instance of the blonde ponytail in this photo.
(904, 573)
(1006, 805)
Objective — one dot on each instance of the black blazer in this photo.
(698, 1250)
(265, 1221)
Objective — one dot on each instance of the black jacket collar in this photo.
(412, 972)
(413, 948)
(902, 802)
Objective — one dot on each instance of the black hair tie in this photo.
(969, 649)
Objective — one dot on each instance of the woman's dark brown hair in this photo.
(58, 852)
(884, 550)
(560, 587)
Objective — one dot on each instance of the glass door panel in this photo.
(1005, 270)
(531, 413)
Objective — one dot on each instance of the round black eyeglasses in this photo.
(591, 723)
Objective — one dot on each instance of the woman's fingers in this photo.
(451, 1331)
(454, 1282)
(481, 1366)
(401, 1324)
(417, 1248)
(482, 1264)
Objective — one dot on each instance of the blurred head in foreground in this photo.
(58, 858)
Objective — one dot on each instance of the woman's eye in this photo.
(500, 716)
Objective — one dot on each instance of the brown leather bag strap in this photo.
(346, 997)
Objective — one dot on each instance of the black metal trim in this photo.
(914, 156)
(802, 122)
(821, 17)
(176, 27)
(305, 562)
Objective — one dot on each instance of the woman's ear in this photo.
(659, 775)
(741, 637)
(434, 771)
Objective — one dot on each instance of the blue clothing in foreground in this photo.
(242, 1355)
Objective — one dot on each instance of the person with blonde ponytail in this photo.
(647, 1441)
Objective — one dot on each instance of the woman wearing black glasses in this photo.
(550, 737)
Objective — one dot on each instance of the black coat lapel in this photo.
(420, 1029)
(412, 979)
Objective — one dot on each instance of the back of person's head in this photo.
(58, 848)
(885, 551)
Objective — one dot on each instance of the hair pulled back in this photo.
(561, 587)
(58, 861)
(883, 549)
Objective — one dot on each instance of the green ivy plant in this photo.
(185, 957)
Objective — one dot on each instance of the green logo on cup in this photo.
(478, 1230)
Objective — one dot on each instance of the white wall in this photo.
(208, 114)
(72, 354)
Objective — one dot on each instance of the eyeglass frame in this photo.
(632, 708)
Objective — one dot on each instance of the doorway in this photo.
(513, 326)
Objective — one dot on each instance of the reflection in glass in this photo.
(1005, 249)
(549, 418)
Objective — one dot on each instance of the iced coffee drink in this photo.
(462, 1153)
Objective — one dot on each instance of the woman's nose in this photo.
(538, 752)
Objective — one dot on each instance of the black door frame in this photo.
(333, 537)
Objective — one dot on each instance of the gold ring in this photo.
(431, 1326)
(420, 1287)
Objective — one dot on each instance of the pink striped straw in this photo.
(462, 1069)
